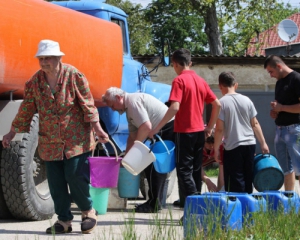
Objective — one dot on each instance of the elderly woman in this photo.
(68, 119)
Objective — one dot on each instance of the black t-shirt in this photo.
(287, 92)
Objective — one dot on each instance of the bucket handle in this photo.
(112, 144)
(264, 154)
(163, 143)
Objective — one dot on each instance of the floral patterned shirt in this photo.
(64, 116)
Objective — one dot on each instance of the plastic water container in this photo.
(267, 173)
(138, 158)
(286, 200)
(254, 202)
(104, 171)
(128, 184)
(100, 199)
(164, 154)
(208, 211)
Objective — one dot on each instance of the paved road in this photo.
(113, 225)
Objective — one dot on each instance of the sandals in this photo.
(59, 227)
(89, 222)
(146, 208)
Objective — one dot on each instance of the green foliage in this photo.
(241, 24)
(180, 24)
(211, 171)
(139, 28)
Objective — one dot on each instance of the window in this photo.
(123, 29)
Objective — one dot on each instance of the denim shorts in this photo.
(287, 148)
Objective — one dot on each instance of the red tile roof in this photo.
(270, 38)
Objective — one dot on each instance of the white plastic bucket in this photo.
(138, 158)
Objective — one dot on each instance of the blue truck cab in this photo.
(135, 76)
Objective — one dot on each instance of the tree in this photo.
(139, 28)
(182, 27)
(207, 9)
(244, 18)
(245, 23)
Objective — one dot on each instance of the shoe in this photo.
(89, 222)
(59, 227)
(176, 203)
(146, 208)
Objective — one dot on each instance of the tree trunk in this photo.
(212, 30)
(209, 14)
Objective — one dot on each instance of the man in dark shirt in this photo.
(285, 109)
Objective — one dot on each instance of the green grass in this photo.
(211, 171)
(211, 221)
(268, 225)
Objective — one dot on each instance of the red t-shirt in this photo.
(208, 158)
(191, 91)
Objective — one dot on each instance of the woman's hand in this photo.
(7, 138)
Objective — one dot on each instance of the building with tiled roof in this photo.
(269, 42)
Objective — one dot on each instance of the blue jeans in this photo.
(287, 148)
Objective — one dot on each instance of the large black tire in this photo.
(4, 211)
(23, 179)
(171, 178)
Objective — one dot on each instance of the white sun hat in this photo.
(48, 48)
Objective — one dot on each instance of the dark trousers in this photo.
(73, 174)
(156, 181)
(238, 169)
(189, 152)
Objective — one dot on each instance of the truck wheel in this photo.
(171, 178)
(4, 211)
(23, 178)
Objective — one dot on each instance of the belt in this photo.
(292, 125)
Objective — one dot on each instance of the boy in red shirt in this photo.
(188, 94)
(208, 158)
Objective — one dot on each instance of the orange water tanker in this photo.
(82, 38)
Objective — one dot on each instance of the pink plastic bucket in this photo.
(104, 171)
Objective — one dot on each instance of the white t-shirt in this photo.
(236, 112)
(142, 107)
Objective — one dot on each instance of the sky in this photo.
(144, 3)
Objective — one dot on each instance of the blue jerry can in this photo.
(254, 202)
(287, 200)
(207, 211)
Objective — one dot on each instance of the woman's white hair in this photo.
(112, 93)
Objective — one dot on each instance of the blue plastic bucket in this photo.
(268, 174)
(165, 156)
(207, 211)
(100, 199)
(128, 184)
